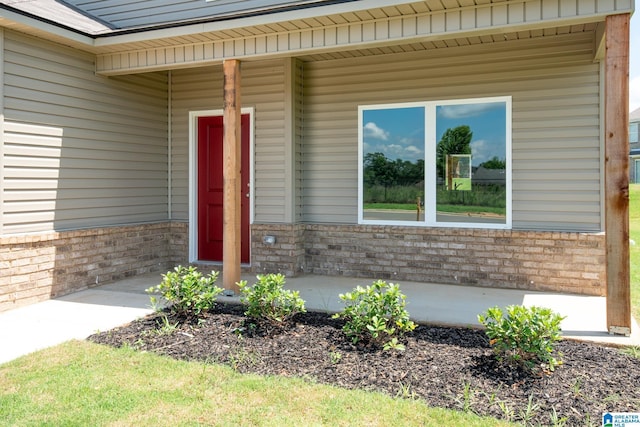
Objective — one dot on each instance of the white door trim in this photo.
(193, 172)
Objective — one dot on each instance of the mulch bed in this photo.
(443, 366)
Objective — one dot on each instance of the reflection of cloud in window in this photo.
(395, 151)
(371, 130)
(467, 110)
(413, 149)
(482, 151)
(408, 142)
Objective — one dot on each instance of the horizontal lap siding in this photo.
(262, 87)
(556, 135)
(193, 89)
(80, 150)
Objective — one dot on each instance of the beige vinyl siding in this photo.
(263, 89)
(554, 85)
(80, 150)
(191, 90)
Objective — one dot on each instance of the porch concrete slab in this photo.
(75, 316)
(78, 315)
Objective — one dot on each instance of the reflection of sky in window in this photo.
(398, 133)
(487, 122)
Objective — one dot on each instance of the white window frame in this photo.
(431, 141)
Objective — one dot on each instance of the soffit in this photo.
(427, 11)
(287, 22)
(397, 28)
(452, 42)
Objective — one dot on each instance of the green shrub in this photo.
(376, 315)
(267, 300)
(525, 336)
(187, 291)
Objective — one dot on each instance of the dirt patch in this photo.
(444, 366)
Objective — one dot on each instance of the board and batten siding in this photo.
(80, 150)
(554, 84)
(262, 87)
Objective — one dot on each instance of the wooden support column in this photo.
(616, 88)
(231, 172)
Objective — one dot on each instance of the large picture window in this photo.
(445, 163)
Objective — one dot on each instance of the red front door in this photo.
(210, 188)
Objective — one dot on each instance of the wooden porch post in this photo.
(231, 173)
(616, 88)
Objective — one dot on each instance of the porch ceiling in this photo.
(453, 42)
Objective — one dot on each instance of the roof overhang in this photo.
(30, 24)
(324, 29)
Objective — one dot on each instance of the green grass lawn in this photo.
(85, 384)
(634, 250)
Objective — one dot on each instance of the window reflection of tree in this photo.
(454, 141)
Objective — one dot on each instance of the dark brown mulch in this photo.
(444, 366)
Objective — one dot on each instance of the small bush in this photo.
(376, 315)
(267, 300)
(187, 291)
(525, 336)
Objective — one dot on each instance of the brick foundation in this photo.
(286, 256)
(535, 260)
(179, 243)
(38, 267)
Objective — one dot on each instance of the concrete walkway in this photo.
(78, 315)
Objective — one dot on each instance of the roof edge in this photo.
(45, 25)
(265, 11)
(87, 15)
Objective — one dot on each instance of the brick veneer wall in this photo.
(535, 260)
(179, 243)
(286, 256)
(38, 267)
